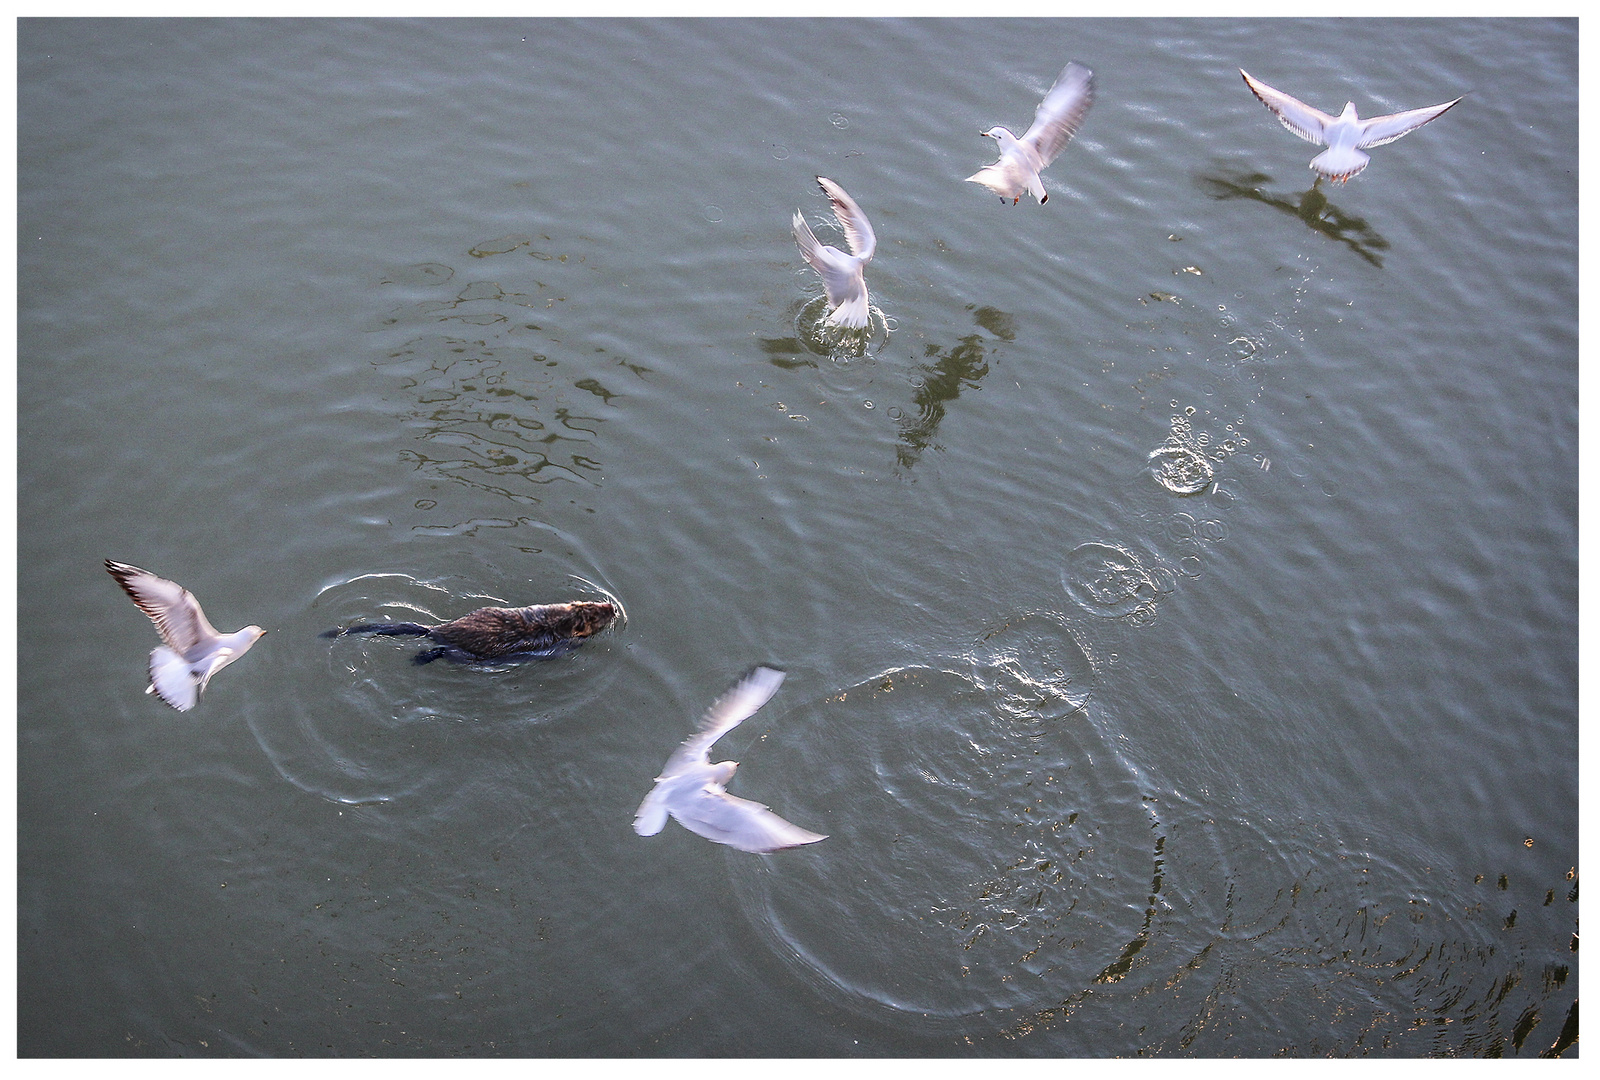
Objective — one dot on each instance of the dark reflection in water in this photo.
(942, 381)
(935, 383)
(788, 353)
(494, 416)
(485, 421)
(997, 322)
(1311, 207)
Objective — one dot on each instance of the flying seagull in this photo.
(1055, 121)
(841, 274)
(1345, 135)
(690, 788)
(194, 650)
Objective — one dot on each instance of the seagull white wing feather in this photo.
(730, 710)
(857, 229)
(174, 610)
(1061, 113)
(740, 823)
(1308, 123)
(1386, 129)
(841, 274)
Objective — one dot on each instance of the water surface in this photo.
(1178, 590)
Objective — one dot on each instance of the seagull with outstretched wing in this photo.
(1345, 135)
(691, 789)
(842, 273)
(1054, 122)
(194, 650)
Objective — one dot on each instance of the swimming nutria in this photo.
(501, 635)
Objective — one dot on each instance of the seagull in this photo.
(841, 274)
(194, 650)
(1055, 121)
(1345, 135)
(690, 788)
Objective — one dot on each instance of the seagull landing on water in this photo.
(842, 275)
(690, 788)
(194, 650)
(1345, 135)
(1055, 121)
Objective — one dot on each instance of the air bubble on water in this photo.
(1110, 581)
(1180, 469)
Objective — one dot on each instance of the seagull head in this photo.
(1000, 135)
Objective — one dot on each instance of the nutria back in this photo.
(496, 631)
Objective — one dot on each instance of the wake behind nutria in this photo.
(493, 635)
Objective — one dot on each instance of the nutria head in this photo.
(583, 618)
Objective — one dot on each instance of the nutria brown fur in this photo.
(497, 634)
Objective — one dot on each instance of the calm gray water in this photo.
(339, 320)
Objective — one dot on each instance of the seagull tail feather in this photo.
(172, 678)
(652, 815)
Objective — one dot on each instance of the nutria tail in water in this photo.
(390, 629)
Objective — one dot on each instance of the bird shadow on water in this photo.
(1311, 206)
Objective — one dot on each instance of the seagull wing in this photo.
(739, 823)
(857, 229)
(1060, 113)
(171, 607)
(1296, 115)
(730, 710)
(1386, 129)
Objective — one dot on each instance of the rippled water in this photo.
(1177, 582)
